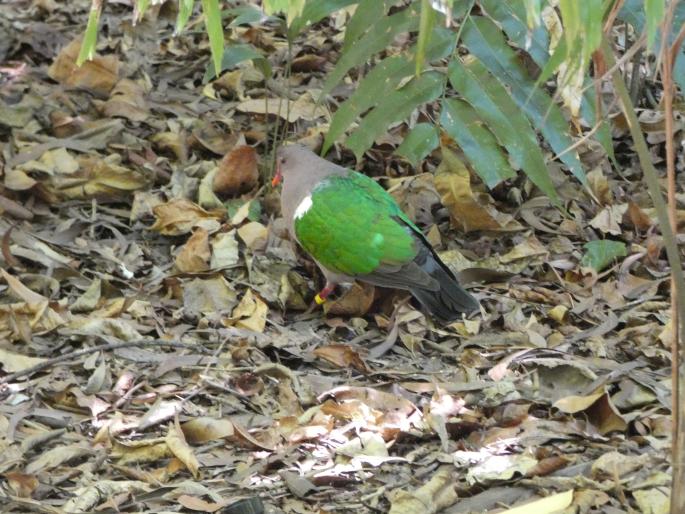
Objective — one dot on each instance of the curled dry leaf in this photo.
(435, 495)
(100, 73)
(202, 297)
(180, 216)
(195, 254)
(238, 172)
(22, 484)
(468, 210)
(250, 313)
(356, 301)
(254, 235)
(176, 442)
(127, 100)
(305, 108)
(343, 356)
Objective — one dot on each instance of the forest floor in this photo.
(157, 353)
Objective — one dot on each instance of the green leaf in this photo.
(600, 254)
(375, 40)
(486, 41)
(185, 9)
(461, 122)
(139, 10)
(504, 118)
(244, 15)
(313, 12)
(654, 10)
(385, 76)
(275, 6)
(215, 31)
(533, 12)
(420, 141)
(512, 17)
(90, 38)
(234, 55)
(367, 12)
(394, 106)
(426, 24)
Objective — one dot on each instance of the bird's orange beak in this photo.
(278, 177)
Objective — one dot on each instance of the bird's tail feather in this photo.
(450, 299)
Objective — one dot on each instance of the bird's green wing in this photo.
(351, 225)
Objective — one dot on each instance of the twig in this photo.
(677, 421)
(85, 351)
(672, 251)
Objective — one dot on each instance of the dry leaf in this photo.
(180, 216)
(176, 442)
(250, 313)
(100, 73)
(201, 430)
(343, 356)
(195, 254)
(238, 172)
(468, 210)
(356, 301)
(304, 108)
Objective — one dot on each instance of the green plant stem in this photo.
(678, 282)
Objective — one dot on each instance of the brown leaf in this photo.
(638, 217)
(195, 503)
(127, 100)
(22, 484)
(308, 63)
(100, 73)
(201, 430)
(176, 442)
(468, 210)
(343, 356)
(249, 314)
(356, 301)
(180, 216)
(195, 254)
(238, 172)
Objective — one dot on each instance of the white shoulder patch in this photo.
(304, 206)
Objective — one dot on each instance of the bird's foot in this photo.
(320, 298)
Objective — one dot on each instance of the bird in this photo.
(354, 230)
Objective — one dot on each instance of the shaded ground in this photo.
(210, 382)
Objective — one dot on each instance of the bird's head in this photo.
(291, 160)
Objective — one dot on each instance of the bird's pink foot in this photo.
(320, 298)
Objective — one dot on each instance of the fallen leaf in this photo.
(250, 313)
(100, 73)
(180, 216)
(201, 430)
(238, 172)
(176, 442)
(343, 356)
(469, 211)
(194, 255)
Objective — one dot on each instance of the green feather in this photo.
(353, 226)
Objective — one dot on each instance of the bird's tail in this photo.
(450, 299)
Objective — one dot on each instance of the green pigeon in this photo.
(355, 230)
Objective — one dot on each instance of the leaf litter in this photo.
(137, 222)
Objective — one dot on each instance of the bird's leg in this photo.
(323, 294)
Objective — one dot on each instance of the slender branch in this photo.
(93, 349)
(677, 381)
(667, 231)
